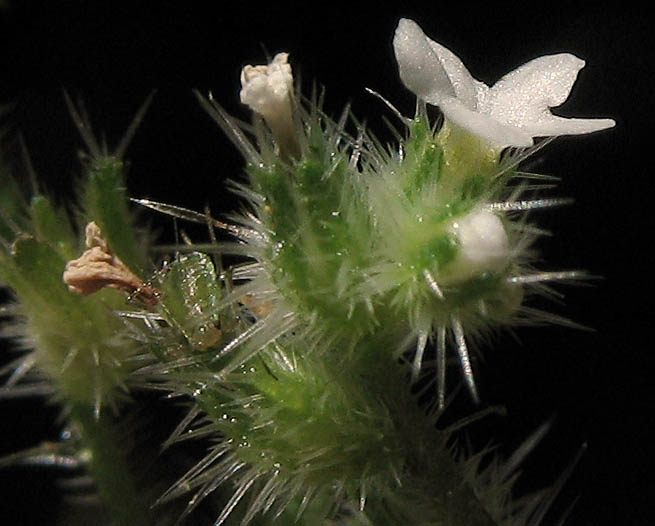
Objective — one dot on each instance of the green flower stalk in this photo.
(82, 352)
(304, 362)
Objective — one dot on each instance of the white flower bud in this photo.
(483, 243)
(267, 90)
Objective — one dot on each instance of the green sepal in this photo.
(52, 226)
(78, 337)
(37, 270)
(12, 208)
(424, 159)
(105, 201)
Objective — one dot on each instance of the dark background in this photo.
(595, 385)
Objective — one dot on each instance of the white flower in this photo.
(267, 90)
(512, 111)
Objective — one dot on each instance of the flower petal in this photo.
(267, 89)
(484, 126)
(553, 125)
(467, 89)
(420, 68)
(525, 95)
(512, 112)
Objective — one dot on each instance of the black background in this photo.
(596, 385)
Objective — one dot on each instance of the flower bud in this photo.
(267, 90)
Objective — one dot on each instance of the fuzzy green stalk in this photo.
(80, 344)
(298, 361)
(300, 426)
(126, 496)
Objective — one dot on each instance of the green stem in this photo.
(117, 484)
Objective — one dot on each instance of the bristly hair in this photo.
(73, 350)
(351, 237)
(326, 299)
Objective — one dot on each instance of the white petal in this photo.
(267, 89)
(512, 112)
(484, 126)
(467, 89)
(524, 96)
(553, 125)
(420, 68)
